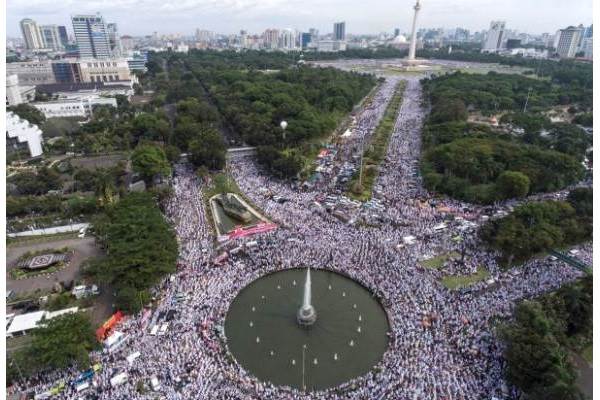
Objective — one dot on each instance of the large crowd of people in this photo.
(441, 341)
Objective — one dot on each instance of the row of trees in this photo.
(537, 227)
(540, 338)
(494, 92)
(20, 206)
(141, 248)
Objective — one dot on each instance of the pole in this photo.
(360, 172)
(303, 381)
(16, 365)
(527, 99)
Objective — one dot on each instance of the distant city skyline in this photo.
(142, 17)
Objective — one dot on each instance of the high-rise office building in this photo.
(306, 38)
(495, 36)
(91, 35)
(314, 34)
(589, 31)
(32, 35)
(396, 32)
(287, 39)
(51, 37)
(62, 34)
(568, 41)
(113, 38)
(339, 31)
(271, 38)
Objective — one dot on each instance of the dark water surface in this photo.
(343, 308)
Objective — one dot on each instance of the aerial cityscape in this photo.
(367, 207)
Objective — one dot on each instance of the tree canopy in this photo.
(541, 336)
(141, 248)
(537, 227)
(149, 161)
(29, 113)
(58, 343)
(208, 149)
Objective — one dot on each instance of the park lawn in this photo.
(438, 261)
(587, 353)
(460, 281)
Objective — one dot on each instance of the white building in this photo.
(495, 37)
(21, 133)
(331, 45)
(108, 70)
(32, 35)
(568, 42)
(16, 94)
(78, 106)
(287, 39)
(32, 72)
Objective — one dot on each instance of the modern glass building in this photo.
(92, 36)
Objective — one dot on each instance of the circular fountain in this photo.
(296, 348)
(307, 314)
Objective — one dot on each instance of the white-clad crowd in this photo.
(442, 346)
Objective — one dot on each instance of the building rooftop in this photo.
(75, 87)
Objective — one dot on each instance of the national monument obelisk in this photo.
(413, 36)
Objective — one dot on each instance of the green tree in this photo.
(149, 161)
(141, 248)
(582, 200)
(150, 127)
(536, 363)
(208, 149)
(512, 184)
(61, 342)
(29, 113)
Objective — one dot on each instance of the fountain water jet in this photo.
(307, 314)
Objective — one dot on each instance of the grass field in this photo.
(438, 261)
(460, 281)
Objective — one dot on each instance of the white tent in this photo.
(20, 324)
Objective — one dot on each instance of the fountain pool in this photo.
(347, 339)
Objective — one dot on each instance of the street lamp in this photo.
(283, 125)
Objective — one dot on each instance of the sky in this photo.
(142, 17)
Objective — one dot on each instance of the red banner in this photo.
(104, 330)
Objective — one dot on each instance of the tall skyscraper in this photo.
(32, 35)
(91, 35)
(51, 37)
(339, 31)
(495, 36)
(568, 41)
(306, 38)
(62, 33)
(271, 38)
(113, 38)
(287, 39)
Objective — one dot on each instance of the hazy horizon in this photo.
(142, 17)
